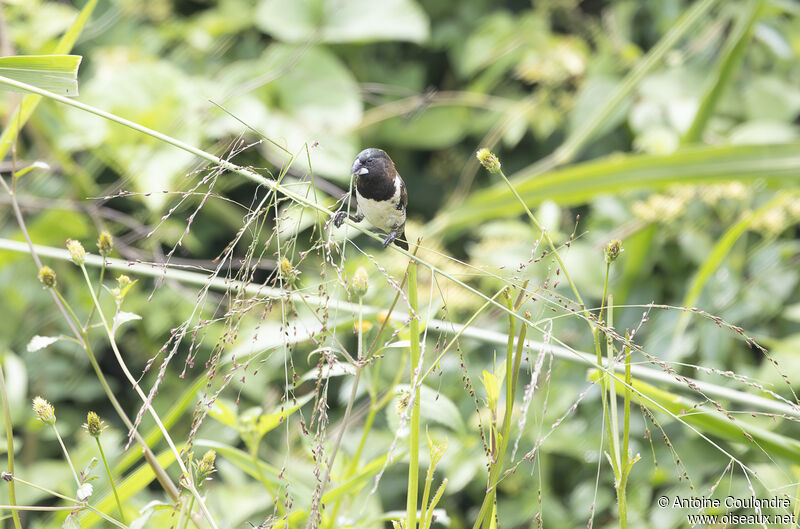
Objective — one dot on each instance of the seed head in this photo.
(488, 160)
(94, 425)
(288, 272)
(360, 282)
(612, 250)
(105, 243)
(205, 467)
(44, 411)
(47, 276)
(76, 251)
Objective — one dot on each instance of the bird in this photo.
(381, 196)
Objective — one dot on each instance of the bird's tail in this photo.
(401, 241)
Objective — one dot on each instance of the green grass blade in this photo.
(721, 250)
(581, 136)
(57, 73)
(29, 103)
(714, 423)
(729, 62)
(577, 184)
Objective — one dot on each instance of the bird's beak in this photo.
(358, 168)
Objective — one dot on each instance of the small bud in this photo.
(94, 425)
(105, 243)
(123, 281)
(612, 250)
(76, 251)
(360, 282)
(488, 160)
(47, 276)
(44, 411)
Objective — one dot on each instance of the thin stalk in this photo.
(188, 484)
(81, 336)
(436, 497)
(99, 287)
(622, 494)
(12, 492)
(612, 388)
(347, 411)
(66, 454)
(188, 514)
(546, 236)
(75, 501)
(513, 360)
(413, 438)
(111, 480)
(558, 349)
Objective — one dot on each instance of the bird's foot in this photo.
(389, 238)
(338, 218)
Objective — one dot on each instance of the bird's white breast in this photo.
(383, 214)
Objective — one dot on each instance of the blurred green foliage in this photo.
(310, 83)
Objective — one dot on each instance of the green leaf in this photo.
(342, 21)
(434, 128)
(56, 73)
(774, 164)
(721, 249)
(725, 68)
(40, 342)
(29, 103)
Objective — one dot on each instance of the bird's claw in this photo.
(389, 238)
(338, 218)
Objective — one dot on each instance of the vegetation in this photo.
(596, 325)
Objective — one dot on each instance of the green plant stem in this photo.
(74, 501)
(513, 361)
(74, 324)
(436, 497)
(111, 480)
(626, 464)
(189, 513)
(415, 382)
(188, 484)
(12, 493)
(547, 238)
(99, 289)
(66, 455)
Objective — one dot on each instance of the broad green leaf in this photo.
(56, 73)
(342, 21)
(432, 128)
(577, 184)
(307, 99)
(29, 103)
